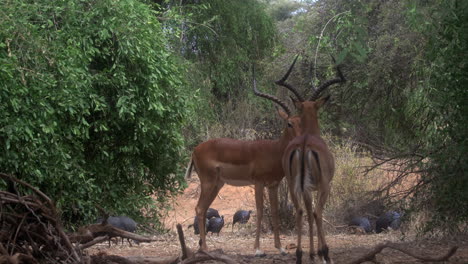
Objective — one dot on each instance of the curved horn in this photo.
(267, 96)
(282, 81)
(325, 85)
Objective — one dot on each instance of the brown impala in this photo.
(309, 166)
(240, 163)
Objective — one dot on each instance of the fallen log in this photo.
(92, 234)
(370, 256)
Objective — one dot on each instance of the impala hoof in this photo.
(259, 254)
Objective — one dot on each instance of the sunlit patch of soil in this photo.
(238, 242)
(239, 245)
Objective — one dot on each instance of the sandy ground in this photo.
(238, 244)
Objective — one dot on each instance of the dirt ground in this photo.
(238, 244)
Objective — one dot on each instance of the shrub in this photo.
(92, 104)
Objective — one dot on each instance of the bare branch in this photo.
(370, 256)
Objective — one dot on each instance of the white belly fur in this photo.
(236, 175)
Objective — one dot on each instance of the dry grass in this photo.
(351, 187)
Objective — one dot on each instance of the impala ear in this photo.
(320, 102)
(282, 114)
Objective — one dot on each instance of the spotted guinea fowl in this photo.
(215, 224)
(241, 217)
(389, 219)
(196, 230)
(121, 222)
(210, 213)
(362, 223)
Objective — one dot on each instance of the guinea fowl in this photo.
(362, 223)
(241, 217)
(195, 225)
(210, 213)
(389, 219)
(121, 222)
(215, 225)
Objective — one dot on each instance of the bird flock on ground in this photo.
(214, 223)
(390, 219)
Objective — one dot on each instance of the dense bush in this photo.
(405, 97)
(91, 104)
(440, 111)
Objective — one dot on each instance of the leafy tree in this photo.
(281, 10)
(440, 112)
(92, 104)
(404, 99)
(220, 41)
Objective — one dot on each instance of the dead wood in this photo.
(31, 226)
(370, 256)
(148, 229)
(86, 235)
(17, 258)
(186, 253)
(94, 242)
(180, 232)
(189, 257)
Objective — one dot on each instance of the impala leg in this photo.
(207, 196)
(273, 195)
(259, 205)
(308, 198)
(299, 214)
(322, 244)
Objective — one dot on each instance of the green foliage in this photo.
(284, 9)
(405, 98)
(442, 112)
(239, 34)
(92, 104)
(221, 40)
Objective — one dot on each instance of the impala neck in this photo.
(309, 117)
(310, 124)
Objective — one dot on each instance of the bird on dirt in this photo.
(122, 222)
(361, 223)
(196, 230)
(210, 213)
(389, 219)
(241, 217)
(215, 224)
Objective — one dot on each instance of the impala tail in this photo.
(188, 172)
(303, 166)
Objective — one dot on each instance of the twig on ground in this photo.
(370, 256)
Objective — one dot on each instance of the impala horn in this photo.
(267, 96)
(326, 84)
(282, 81)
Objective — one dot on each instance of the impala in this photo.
(229, 161)
(309, 166)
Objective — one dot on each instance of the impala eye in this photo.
(289, 125)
